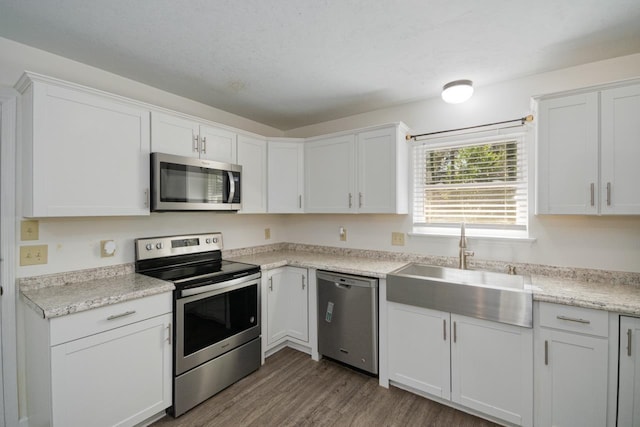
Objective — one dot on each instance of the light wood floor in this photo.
(293, 390)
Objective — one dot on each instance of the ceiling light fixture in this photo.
(457, 91)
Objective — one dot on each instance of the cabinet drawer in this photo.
(574, 319)
(85, 323)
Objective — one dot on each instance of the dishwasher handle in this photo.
(341, 286)
(346, 281)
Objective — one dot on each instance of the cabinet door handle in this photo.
(169, 333)
(455, 332)
(271, 284)
(359, 200)
(350, 200)
(444, 329)
(593, 195)
(608, 194)
(196, 143)
(146, 198)
(574, 319)
(303, 284)
(204, 145)
(300, 201)
(629, 342)
(546, 352)
(117, 316)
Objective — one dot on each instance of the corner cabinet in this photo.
(629, 372)
(571, 363)
(361, 172)
(183, 136)
(477, 364)
(285, 181)
(85, 152)
(287, 305)
(252, 156)
(587, 145)
(102, 367)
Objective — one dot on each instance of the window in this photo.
(481, 182)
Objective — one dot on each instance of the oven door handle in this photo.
(222, 286)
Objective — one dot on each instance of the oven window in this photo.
(213, 319)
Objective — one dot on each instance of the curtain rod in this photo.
(522, 121)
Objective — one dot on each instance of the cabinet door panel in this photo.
(330, 175)
(174, 135)
(629, 375)
(492, 368)
(90, 155)
(377, 171)
(573, 389)
(286, 177)
(295, 280)
(568, 155)
(418, 348)
(252, 156)
(119, 377)
(218, 144)
(620, 151)
(277, 307)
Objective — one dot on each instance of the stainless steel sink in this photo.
(486, 295)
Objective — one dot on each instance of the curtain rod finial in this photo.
(408, 137)
(529, 118)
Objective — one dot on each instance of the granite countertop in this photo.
(60, 299)
(615, 297)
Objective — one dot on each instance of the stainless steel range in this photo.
(216, 313)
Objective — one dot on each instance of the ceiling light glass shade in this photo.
(457, 91)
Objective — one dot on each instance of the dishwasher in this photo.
(348, 319)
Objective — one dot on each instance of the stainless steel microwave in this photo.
(181, 183)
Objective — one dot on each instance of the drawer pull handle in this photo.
(574, 319)
(455, 332)
(629, 342)
(444, 329)
(117, 316)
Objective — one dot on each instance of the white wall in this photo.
(575, 241)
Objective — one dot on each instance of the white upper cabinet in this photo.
(382, 171)
(285, 176)
(86, 153)
(363, 172)
(330, 176)
(587, 145)
(252, 156)
(185, 137)
(620, 150)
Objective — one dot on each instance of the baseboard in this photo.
(152, 419)
(290, 344)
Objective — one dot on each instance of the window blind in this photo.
(483, 184)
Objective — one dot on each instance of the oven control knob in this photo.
(159, 245)
(215, 240)
(208, 241)
(149, 246)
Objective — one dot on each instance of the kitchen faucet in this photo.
(464, 253)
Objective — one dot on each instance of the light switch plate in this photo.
(343, 234)
(29, 230)
(33, 255)
(267, 233)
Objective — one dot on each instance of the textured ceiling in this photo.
(289, 63)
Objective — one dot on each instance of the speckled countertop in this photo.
(53, 297)
(65, 293)
(616, 292)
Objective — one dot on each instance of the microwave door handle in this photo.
(232, 187)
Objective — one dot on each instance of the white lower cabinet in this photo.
(629, 373)
(571, 365)
(105, 367)
(287, 305)
(481, 365)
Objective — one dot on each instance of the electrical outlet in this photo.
(343, 234)
(33, 255)
(397, 238)
(267, 233)
(29, 230)
(107, 248)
